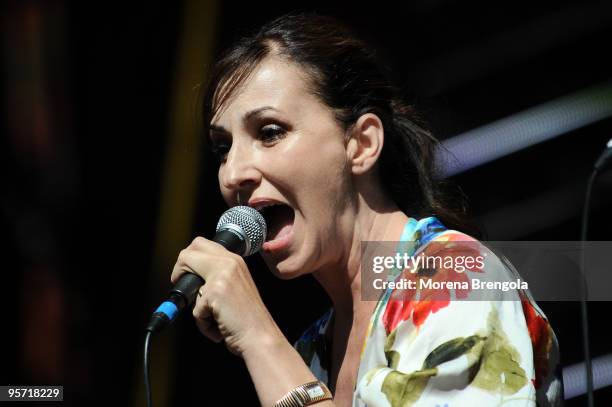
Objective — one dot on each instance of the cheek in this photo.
(318, 174)
(225, 193)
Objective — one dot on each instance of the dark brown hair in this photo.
(346, 75)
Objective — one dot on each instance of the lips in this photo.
(279, 219)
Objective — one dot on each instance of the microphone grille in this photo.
(250, 222)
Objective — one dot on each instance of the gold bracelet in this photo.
(305, 395)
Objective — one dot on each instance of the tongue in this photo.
(281, 223)
(282, 232)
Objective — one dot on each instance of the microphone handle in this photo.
(186, 288)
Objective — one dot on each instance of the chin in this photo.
(284, 269)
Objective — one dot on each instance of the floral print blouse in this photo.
(444, 352)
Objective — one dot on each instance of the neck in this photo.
(342, 281)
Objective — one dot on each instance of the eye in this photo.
(220, 149)
(220, 152)
(270, 133)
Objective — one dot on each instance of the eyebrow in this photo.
(246, 117)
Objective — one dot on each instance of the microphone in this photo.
(241, 230)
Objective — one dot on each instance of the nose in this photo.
(239, 174)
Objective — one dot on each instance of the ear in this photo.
(365, 143)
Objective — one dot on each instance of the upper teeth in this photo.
(261, 207)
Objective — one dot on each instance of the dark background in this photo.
(87, 98)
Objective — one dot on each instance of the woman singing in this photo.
(309, 130)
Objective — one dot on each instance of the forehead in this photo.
(274, 82)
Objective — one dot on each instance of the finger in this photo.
(209, 329)
(204, 318)
(201, 309)
(192, 261)
(180, 267)
(206, 245)
(203, 263)
(199, 244)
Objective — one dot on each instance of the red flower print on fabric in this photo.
(539, 332)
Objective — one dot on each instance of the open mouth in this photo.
(279, 219)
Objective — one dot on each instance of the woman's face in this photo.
(278, 144)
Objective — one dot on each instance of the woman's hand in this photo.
(231, 309)
(228, 306)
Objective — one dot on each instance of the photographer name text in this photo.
(430, 284)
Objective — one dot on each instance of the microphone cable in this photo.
(147, 380)
(599, 164)
(583, 297)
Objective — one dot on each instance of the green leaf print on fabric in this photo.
(403, 390)
(393, 359)
(453, 349)
(390, 340)
(500, 370)
(392, 356)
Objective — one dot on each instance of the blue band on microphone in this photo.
(169, 308)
